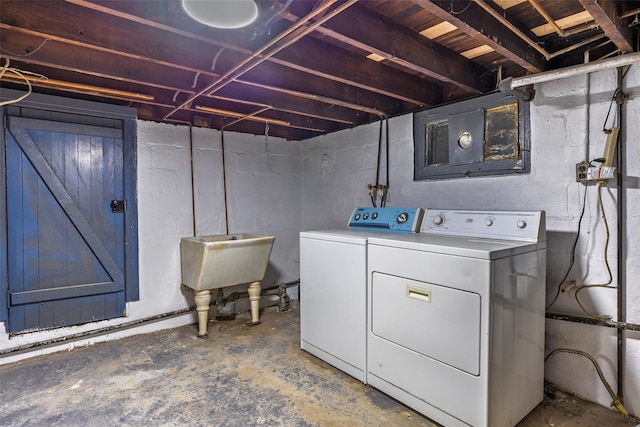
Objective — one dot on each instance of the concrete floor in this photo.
(239, 376)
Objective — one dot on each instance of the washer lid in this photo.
(358, 237)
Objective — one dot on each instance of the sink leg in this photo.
(203, 298)
(254, 296)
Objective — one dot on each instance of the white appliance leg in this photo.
(203, 298)
(254, 296)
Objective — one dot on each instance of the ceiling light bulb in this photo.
(225, 14)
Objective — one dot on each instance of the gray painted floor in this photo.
(239, 376)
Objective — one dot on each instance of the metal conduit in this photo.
(621, 234)
(511, 83)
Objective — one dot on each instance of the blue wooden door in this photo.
(65, 246)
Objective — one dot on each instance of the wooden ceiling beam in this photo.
(82, 55)
(79, 64)
(356, 70)
(163, 16)
(373, 33)
(605, 13)
(474, 22)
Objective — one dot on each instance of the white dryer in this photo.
(333, 285)
(456, 316)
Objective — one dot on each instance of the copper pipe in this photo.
(546, 16)
(319, 98)
(77, 87)
(630, 13)
(511, 27)
(241, 116)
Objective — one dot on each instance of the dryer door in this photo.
(436, 321)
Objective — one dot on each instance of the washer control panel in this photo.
(398, 220)
(507, 225)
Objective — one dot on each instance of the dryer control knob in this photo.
(488, 222)
(521, 224)
(438, 220)
(402, 218)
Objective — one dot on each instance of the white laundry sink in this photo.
(218, 261)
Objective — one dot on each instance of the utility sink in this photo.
(218, 261)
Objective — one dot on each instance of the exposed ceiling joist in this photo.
(372, 58)
(474, 23)
(605, 13)
(374, 34)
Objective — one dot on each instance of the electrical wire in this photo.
(451, 11)
(616, 402)
(606, 262)
(27, 54)
(21, 74)
(573, 251)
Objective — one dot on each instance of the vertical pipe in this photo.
(587, 58)
(224, 184)
(622, 216)
(193, 182)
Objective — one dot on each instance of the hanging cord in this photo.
(20, 74)
(460, 12)
(27, 54)
(573, 250)
(215, 58)
(606, 262)
(616, 402)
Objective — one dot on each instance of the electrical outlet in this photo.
(581, 171)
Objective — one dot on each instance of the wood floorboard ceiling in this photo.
(304, 67)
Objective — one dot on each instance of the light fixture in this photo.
(224, 14)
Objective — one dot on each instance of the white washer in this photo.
(456, 316)
(333, 285)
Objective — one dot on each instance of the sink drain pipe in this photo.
(225, 306)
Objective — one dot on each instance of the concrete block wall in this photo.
(567, 117)
(263, 183)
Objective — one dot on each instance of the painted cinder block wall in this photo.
(567, 118)
(263, 196)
